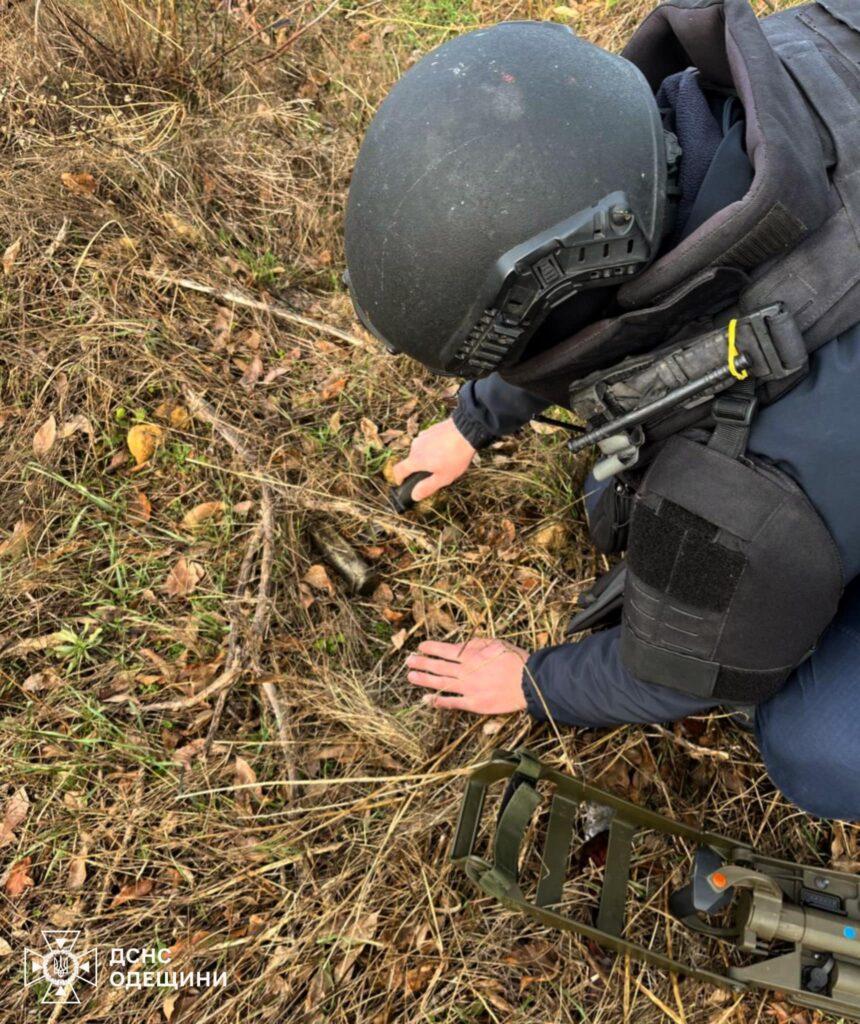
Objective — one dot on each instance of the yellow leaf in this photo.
(552, 538)
(80, 183)
(43, 439)
(176, 415)
(180, 418)
(565, 13)
(143, 439)
(10, 255)
(182, 228)
(201, 514)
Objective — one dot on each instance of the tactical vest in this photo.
(731, 576)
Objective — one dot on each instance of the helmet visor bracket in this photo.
(599, 246)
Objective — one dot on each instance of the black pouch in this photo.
(732, 575)
(609, 521)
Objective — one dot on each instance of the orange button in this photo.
(718, 880)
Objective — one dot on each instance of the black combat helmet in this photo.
(509, 171)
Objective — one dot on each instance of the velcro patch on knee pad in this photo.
(679, 554)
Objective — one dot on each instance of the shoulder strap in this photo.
(733, 414)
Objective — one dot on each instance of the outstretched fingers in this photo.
(438, 649)
(436, 666)
(435, 682)
(450, 703)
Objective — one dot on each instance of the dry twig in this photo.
(238, 299)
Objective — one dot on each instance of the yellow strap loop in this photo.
(732, 335)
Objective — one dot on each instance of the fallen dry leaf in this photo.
(333, 388)
(318, 578)
(10, 255)
(16, 542)
(182, 228)
(183, 578)
(175, 414)
(185, 755)
(133, 891)
(551, 538)
(79, 182)
(77, 873)
(5, 948)
(355, 937)
(143, 439)
(17, 809)
(244, 775)
(242, 508)
(43, 439)
(141, 506)
(399, 639)
(18, 879)
(201, 514)
(180, 418)
(369, 431)
(74, 425)
(253, 371)
(48, 679)
(221, 328)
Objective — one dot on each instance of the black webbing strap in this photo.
(733, 413)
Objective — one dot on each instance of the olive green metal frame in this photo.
(500, 877)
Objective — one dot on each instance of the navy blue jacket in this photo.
(812, 434)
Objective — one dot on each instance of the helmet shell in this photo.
(489, 140)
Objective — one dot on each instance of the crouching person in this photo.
(666, 243)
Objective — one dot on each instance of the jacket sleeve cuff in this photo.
(534, 704)
(474, 432)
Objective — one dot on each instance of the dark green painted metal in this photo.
(556, 852)
(501, 878)
(613, 895)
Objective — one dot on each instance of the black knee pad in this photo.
(733, 576)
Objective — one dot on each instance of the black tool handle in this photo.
(401, 497)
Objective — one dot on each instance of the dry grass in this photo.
(194, 145)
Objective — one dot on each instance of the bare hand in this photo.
(440, 450)
(486, 675)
